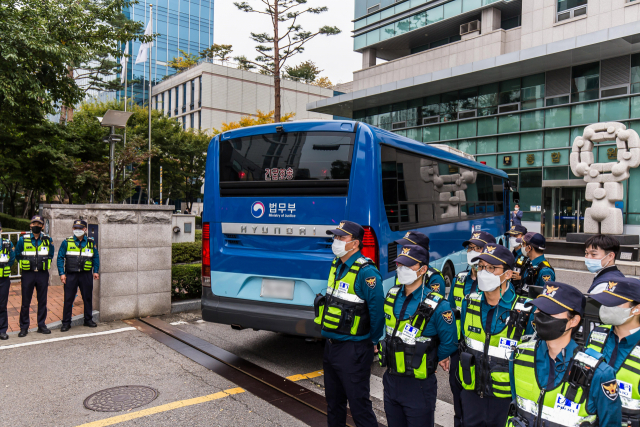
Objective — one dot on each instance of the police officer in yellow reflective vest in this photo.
(554, 382)
(493, 322)
(420, 334)
(78, 265)
(34, 252)
(351, 316)
(433, 276)
(618, 339)
(7, 258)
(538, 270)
(517, 232)
(466, 283)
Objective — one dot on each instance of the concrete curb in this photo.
(75, 321)
(188, 305)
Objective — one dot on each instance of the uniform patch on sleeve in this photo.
(435, 287)
(448, 316)
(546, 278)
(610, 389)
(371, 282)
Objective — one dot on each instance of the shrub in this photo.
(20, 224)
(199, 236)
(199, 221)
(186, 252)
(185, 281)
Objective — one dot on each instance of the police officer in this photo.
(78, 265)
(538, 271)
(352, 319)
(618, 339)
(7, 258)
(555, 382)
(34, 252)
(466, 283)
(420, 334)
(433, 276)
(600, 253)
(493, 322)
(516, 233)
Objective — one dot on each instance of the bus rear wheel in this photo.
(448, 274)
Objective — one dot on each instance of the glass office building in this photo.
(511, 82)
(182, 24)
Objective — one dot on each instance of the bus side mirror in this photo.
(516, 197)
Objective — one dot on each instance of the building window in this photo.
(169, 103)
(585, 82)
(191, 120)
(200, 120)
(193, 94)
(175, 111)
(162, 101)
(184, 122)
(568, 9)
(200, 94)
(184, 97)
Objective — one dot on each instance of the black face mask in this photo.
(549, 328)
(36, 229)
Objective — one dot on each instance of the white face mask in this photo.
(78, 233)
(512, 242)
(524, 250)
(406, 276)
(338, 248)
(516, 209)
(471, 255)
(615, 316)
(488, 282)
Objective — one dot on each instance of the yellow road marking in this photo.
(306, 376)
(163, 408)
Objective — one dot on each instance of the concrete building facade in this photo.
(511, 82)
(208, 94)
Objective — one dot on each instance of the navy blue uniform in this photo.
(81, 280)
(347, 359)
(409, 401)
(603, 277)
(545, 274)
(38, 280)
(5, 284)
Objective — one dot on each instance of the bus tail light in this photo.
(370, 245)
(206, 256)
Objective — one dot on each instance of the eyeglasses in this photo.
(473, 248)
(490, 268)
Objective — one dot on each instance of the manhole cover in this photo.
(119, 399)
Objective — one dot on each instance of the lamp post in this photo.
(113, 119)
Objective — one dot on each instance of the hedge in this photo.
(186, 252)
(20, 224)
(199, 221)
(186, 281)
(199, 236)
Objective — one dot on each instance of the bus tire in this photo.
(448, 272)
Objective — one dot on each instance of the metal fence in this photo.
(16, 265)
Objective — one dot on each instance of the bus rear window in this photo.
(294, 164)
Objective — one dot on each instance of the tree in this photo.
(274, 49)
(243, 63)
(323, 82)
(43, 41)
(305, 72)
(221, 51)
(260, 118)
(184, 62)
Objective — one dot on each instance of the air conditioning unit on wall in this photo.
(469, 27)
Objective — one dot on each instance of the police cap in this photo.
(496, 254)
(411, 255)
(618, 292)
(537, 241)
(348, 228)
(414, 238)
(526, 237)
(559, 297)
(517, 229)
(480, 238)
(37, 218)
(79, 223)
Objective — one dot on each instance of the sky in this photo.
(333, 54)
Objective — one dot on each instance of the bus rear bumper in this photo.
(285, 318)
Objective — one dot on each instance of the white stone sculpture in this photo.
(604, 180)
(451, 187)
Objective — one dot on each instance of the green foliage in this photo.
(186, 252)
(184, 62)
(220, 51)
(44, 41)
(243, 63)
(186, 281)
(9, 222)
(199, 222)
(198, 232)
(305, 72)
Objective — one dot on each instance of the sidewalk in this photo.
(55, 302)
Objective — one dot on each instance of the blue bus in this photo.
(273, 190)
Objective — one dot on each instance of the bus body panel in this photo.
(239, 262)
